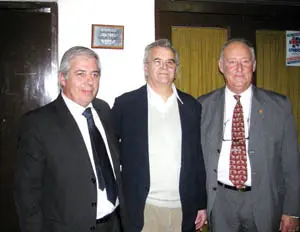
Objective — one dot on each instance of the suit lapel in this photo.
(69, 129)
(110, 140)
(184, 117)
(256, 117)
(142, 121)
(256, 133)
(185, 121)
(216, 114)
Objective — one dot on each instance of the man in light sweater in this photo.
(162, 164)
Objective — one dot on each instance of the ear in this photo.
(221, 66)
(146, 69)
(62, 80)
(254, 66)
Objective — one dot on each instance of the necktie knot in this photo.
(237, 97)
(87, 113)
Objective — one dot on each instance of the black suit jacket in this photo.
(130, 113)
(55, 182)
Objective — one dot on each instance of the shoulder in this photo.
(211, 95)
(191, 102)
(40, 112)
(187, 98)
(41, 117)
(271, 98)
(269, 94)
(128, 97)
(100, 104)
(277, 104)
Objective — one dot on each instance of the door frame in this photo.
(47, 7)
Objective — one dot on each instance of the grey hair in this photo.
(164, 43)
(74, 52)
(240, 40)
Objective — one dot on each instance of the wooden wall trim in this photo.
(227, 8)
(260, 2)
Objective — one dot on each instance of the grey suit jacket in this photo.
(273, 153)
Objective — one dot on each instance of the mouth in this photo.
(87, 92)
(239, 75)
(163, 74)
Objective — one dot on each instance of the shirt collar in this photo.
(156, 97)
(73, 106)
(244, 95)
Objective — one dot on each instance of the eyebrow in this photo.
(173, 60)
(83, 70)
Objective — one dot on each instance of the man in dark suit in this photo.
(250, 148)
(162, 165)
(62, 182)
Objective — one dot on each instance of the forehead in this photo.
(161, 52)
(237, 50)
(83, 61)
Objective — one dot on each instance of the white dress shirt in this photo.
(224, 160)
(104, 206)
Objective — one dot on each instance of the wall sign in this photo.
(107, 36)
(292, 48)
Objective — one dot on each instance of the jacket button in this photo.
(218, 150)
(214, 188)
(93, 180)
(215, 170)
(94, 204)
(92, 228)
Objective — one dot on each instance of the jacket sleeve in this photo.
(201, 171)
(291, 165)
(29, 177)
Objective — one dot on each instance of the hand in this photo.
(201, 219)
(289, 224)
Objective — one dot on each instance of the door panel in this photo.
(28, 50)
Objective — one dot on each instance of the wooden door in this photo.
(28, 64)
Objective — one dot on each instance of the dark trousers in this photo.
(110, 223)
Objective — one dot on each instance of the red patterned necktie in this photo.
(238, 156)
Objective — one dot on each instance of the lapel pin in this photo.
(260, 111)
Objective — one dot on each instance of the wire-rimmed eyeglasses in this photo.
(227, 133)
(171, 63)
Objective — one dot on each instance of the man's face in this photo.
(82, 82)
(237, 67)
(161, 67)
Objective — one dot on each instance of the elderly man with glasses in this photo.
(252, 166)
(163, 171)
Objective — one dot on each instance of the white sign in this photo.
(292, 48)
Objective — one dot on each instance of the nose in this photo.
(164, 65)
(90, 79)
(239, 66)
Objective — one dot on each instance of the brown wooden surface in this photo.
(28, 61)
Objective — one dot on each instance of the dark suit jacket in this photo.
(273, 153)
(130, 113)
(55, 183)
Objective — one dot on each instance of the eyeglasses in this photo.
(227, 127)
(162, 63)
(233, 63)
